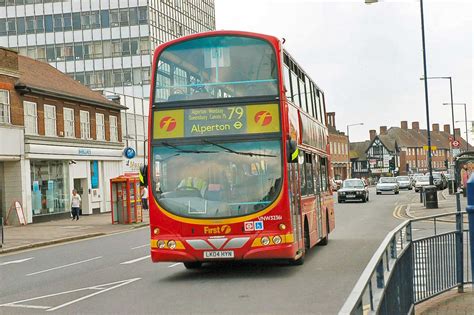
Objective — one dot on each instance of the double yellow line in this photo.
(399, 212)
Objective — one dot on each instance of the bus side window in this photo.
(309, 174)
(324, 174)
(316, 173)
(302, 173)
(286, 77)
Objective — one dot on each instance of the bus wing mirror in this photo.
(143, 175)
(292, 151)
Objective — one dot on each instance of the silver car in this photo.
(404, 182)
(387, 184)
(421, 181)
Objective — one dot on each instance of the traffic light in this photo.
(391, 164)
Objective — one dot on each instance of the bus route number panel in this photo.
(230, 120)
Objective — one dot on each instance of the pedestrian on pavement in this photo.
(75, 204)
(145, 198)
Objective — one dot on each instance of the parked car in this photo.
(414, 177)
(404, 182)
(353, 189)
(421, 181)
(440, 181)
(387, 184)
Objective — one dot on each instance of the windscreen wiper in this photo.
(237, 152)
(166, 144)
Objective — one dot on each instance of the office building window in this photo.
(85, 125)
(4, 106)
(113, 129)
(50, 120)
(69, 122)
(100, 126)
(31, 119)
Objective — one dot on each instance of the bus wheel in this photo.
(324, 241)
(193, 265)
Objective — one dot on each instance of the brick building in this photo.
(56, 135)
(407, 147)
(339, 152)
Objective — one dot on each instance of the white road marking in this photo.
(135, 260)
(15, 261)
(141, 246)
(120, 283)
(64, 266)
(174, 265)
(102, 287)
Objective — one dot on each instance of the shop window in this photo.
(50, 187)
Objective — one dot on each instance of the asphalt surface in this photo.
(114, 275)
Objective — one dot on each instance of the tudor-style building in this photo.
(380, 152)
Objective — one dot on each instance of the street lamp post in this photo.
(425, 75)
(451, 93)
(465, 120)
(349, 146)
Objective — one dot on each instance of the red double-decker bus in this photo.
(239, 161)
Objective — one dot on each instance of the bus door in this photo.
(317, 184)
(295, 201)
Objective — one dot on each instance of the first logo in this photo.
(168, 123)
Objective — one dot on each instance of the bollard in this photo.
(421, 194)
(470, 215)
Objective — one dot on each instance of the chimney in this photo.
(383, 130)
(8, 59)
(435, 127)
(457, 132)
(372, 134)
(447, 128)
(404, 125)
(415, 125)
(331, 116)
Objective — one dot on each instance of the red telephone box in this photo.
(126, 199)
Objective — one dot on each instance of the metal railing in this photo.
(408, 269)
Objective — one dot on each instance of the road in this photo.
(114, 275)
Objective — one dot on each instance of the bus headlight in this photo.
(171, 244)
(277, 240)
(161, 244)
(265, 240)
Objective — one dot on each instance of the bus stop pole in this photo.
(470, 215)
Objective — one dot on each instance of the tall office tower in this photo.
(106, 45)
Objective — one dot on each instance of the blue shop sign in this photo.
(129, 153)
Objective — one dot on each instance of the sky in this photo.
(368, 58)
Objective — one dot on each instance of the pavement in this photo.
(64, 230)
(450, 302)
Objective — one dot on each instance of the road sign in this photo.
(456, 152)
(433, 148)
(456, 144)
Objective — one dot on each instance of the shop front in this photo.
(56, 170)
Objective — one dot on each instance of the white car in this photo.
(421, 181)
(404, 182)
(387, 184)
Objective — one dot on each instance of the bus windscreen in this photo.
(216, 67)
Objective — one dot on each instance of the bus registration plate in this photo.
(218, 254)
